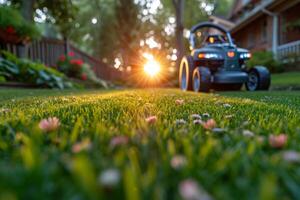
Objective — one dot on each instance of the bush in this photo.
(265, 58)
(76, 68)
(11, 22)
(26, 71)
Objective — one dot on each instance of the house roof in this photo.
(261, 7)
(222, 21)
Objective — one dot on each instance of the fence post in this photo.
(66, 46)
(22, 51)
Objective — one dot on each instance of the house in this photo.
(267, 25)
(272, 25)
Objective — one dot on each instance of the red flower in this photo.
(83, 76)
(76, 62)
(71, 54)
(10, 30)
(62, 58)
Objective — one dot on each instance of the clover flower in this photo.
(209, 124)
(151, 119)
(178, 161)
(278, 141)
(109, 178)
(118, 141)
(179, 102)
(50, 124)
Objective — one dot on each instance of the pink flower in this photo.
(190, 190)
(50, 124)
(151, 119)
(178, 161)
(278, 141)
(118, 141)
(71, 54)
(179, 102)
(80, 146)
(209, 124)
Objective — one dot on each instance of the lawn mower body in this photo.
(219, 64)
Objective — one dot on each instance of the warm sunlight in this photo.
(151, 67)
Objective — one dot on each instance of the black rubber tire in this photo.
(263, 79)
(186, 69)
(201, 79)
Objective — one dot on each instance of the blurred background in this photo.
(130, 42)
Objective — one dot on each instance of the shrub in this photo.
(11, 22)
(26, 71)
(76, 68)
(70, 66)
(265, 58)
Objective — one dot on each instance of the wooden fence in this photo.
(48, 51)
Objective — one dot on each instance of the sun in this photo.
(152, 67)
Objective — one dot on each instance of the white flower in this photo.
(226, 105)
(219, 130)
(291, 156)
(109, 178)
(190, 190)
(206, 115)
(198, 121)
(180, 121)
(4, 110)
(248, 133)
(195, 116)
(229, 116)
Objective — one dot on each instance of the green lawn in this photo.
(286, 79)
(87, 159)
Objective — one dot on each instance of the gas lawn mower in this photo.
(217, 63)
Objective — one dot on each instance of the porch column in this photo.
(275, 35)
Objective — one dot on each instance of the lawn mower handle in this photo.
(208, 25)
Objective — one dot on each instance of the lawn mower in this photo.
(217, 63)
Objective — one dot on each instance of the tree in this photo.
(127, 26)
(59, 12)
(179, 13)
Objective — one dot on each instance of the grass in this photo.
(226, 164)
(286, 79)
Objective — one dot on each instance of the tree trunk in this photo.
(27, 9)
(179, 12)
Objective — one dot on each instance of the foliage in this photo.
(265, 58)
(293, 26)
(2, 79)
(61, 13)
(13, 23)
(89, 74)
(76, 68)
(223, 7)
(22, 70)
(70, 65)
(73, 161)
